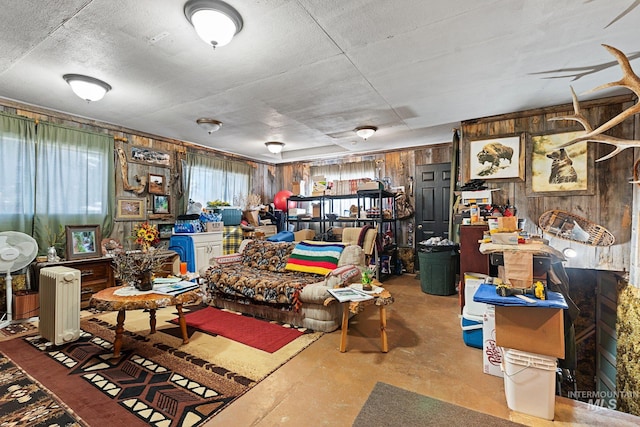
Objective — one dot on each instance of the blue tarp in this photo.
(487, 293)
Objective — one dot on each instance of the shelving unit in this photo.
(365, 200)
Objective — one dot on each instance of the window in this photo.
(54, 176)
(212, 178)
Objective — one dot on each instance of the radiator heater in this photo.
(59, 304)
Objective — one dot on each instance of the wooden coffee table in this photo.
(382, 300)
(106, 300)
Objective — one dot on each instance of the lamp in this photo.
(215, 21)
(87, 88)
(210, 125)
(365, 132)
(274, 147)
(569, 252)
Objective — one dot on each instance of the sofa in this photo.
(272, 280)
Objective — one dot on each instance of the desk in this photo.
(382, 300)
(107, 300)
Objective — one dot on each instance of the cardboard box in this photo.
(504, 238)
(508, 223)
(301, 235)
(481, 197)
(268, 230)
(531, 329)
(491, 353)
(26, 304)
(213, 226)
(315, 211)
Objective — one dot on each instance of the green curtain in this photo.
(17, 172)
(209, 178)
(75, 182)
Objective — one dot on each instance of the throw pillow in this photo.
(315, 257)
(342, 276)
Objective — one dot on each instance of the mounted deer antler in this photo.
(629, 80)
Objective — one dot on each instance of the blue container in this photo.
(471, 329)
(183, 246)
(230, 216)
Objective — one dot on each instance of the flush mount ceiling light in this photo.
(210, 125)
(366, 132)
(87, 88)
(274, 146)
(215, 21)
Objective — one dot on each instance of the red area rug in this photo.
(256, 333)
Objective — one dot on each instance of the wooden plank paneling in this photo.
(611, 204)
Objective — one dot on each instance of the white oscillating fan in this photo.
(17, 250)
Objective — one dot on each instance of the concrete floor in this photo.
(323, 387)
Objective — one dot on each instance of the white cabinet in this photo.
(197, 249)
(206, 247)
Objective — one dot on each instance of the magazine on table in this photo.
(349, 294)
(175, 288)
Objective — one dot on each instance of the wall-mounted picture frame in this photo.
(553, 171)
(131, 209)
(165, 230)
(156, 184)
(497, 158)
(160, 204)
(149, 156)
(83, 241)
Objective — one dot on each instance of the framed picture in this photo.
(156, 184)
(83, 241)
(160, 204)
(165, 230)
(553, 171)
(497, 158)
(150, 157)
(133, 209)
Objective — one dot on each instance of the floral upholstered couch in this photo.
(272, 280)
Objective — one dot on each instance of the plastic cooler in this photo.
(530, 383)
(471, 329)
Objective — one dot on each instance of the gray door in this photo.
(432, 200)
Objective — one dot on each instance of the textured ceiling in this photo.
(308, 72)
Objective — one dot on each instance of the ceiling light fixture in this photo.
(366, 132)
(210, 125)
(87, 88)
(215, 21)
(274, 147)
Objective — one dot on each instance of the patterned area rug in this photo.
(24, 402)
(157, 380)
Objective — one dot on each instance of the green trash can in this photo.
(438, 269)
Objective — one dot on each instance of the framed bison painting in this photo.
(497, 158)
(555, 171)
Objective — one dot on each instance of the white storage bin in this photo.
(530, 383)
(472, 282)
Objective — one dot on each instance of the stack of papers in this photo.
(173, 286)
(349, 294)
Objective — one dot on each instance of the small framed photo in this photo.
(83, 241)
(160, 204)
(131, 209)
(156, 184)
(497, 158)
(165, 230)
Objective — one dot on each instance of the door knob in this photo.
(420, 227)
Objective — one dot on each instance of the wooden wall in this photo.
(612, 199)
(263, 182)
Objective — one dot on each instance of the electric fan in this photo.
(17, 250)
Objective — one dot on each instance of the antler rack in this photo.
(629, 80)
